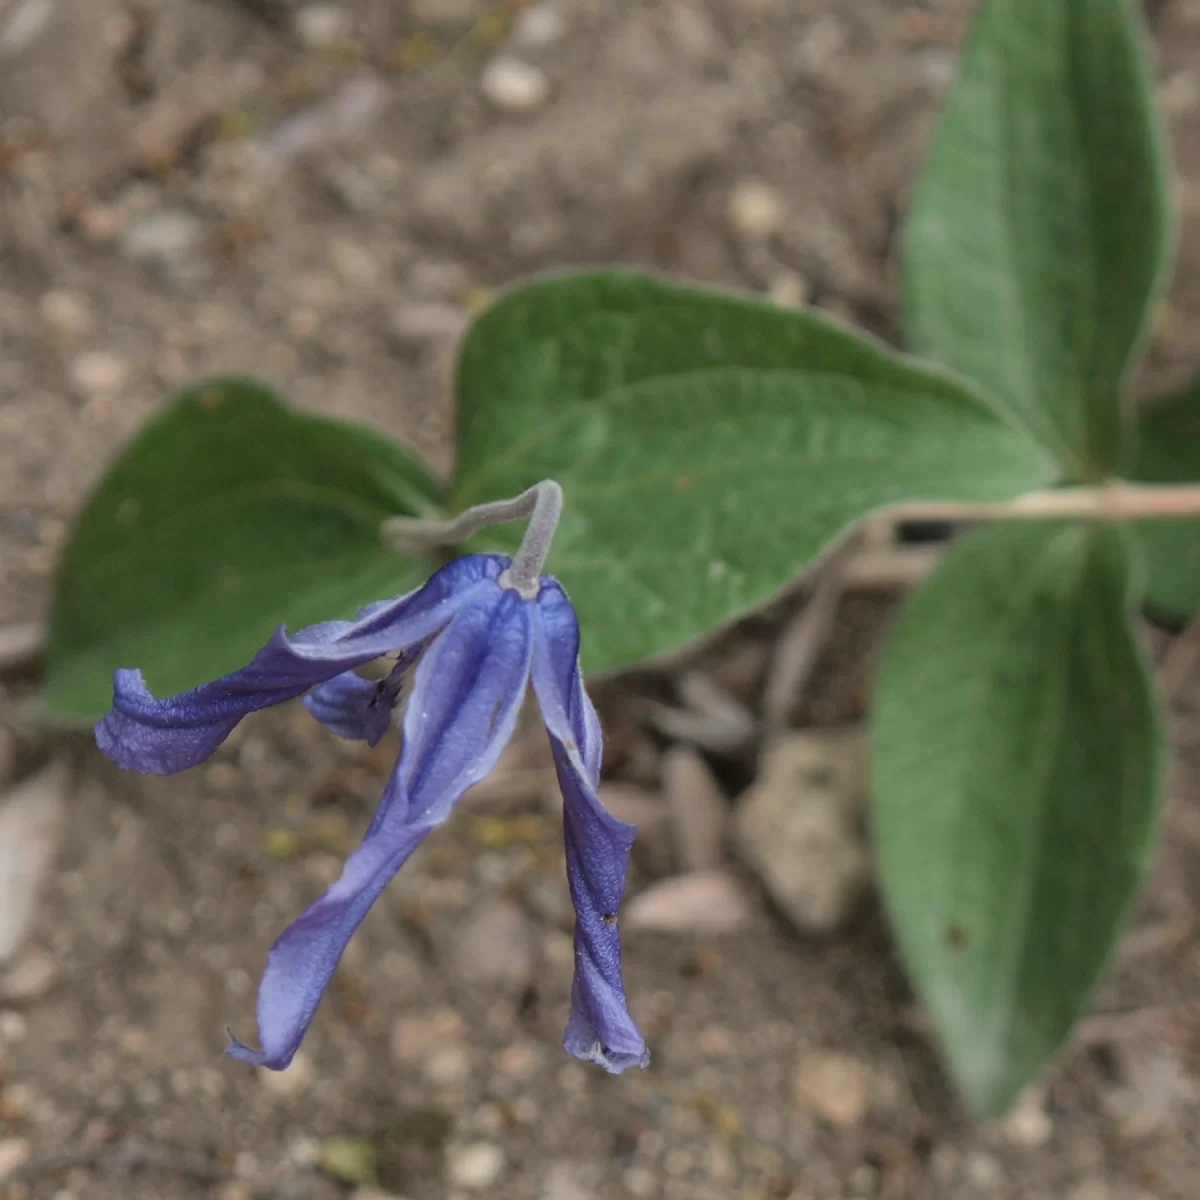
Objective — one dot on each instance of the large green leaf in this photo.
(227, 516)
(710, 446)
(1039, 232)
(1169, 452)
(1016, 759)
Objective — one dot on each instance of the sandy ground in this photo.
(319, 196)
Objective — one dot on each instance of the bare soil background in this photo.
(319, 195)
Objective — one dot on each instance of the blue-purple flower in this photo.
(476, 643)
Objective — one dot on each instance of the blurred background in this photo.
(321, 194)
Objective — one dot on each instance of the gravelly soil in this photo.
(144, 243)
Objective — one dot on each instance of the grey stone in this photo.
(800, 825)
(698, 809)
(705, 902)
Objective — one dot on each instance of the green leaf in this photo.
(1039, 234)
(709, 446)
(1169, 452)
(1017, 756)
(227, 516)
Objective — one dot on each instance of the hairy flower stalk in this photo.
(474, 637)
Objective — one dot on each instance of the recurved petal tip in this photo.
(135, 733)
(256, 1058)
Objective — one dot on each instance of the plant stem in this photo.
(1117, 501)
(542, 504)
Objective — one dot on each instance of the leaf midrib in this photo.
(551, 426)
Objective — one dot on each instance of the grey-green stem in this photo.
(542, 504)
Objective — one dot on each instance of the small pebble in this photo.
(1028, 1124)
(698, 808)
(476, 1166)
(350, 1159)
(1091, 1189)
(236, 1190)
(800, 825)
(436, 279)
(70, 313)
(15, 1152)
(984, 1171)
(320, 26)
(513, 85)
(835, 1086)
(537, 27)
(32, 816)
(641, 1183)
(13, 1026)
(418, 325)
(562, 1182)
(413, 1039)
(292, 1081)
(33, 975)
(520, 1060)
(448, 1066)
(701, 902)
(822, 41)
(98, 372)
(756, 210)
(169, 242)
(789, 289)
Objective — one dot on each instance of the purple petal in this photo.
(343, 703)
(360, 709)
(600, 1028)
(160, 737)
(467, 694)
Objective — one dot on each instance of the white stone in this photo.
(537, 27)
(984, 1170)
(513, 85)
(31, 822)
(756, 210)
(69, 312)
(15, 1152)
(698, 808)
(427, 323)
(320, 26)
(476, 1166)
(296, 1078)
(1028, 1123)
(835, 1086)
(710, 902)
(448, 1065)
(169, 241)
(98, 373)
(562, 1182)
(30, 978)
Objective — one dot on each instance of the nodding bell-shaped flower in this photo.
(477, 636)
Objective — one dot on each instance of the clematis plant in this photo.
(473, 638)
(714, 446)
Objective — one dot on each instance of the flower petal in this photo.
(162, 736)
(361, 709)
(349, 705)
(600, 1028)
(467, 694)
(305, 956)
